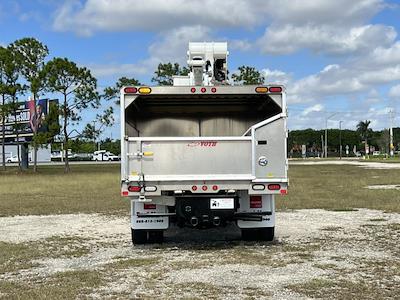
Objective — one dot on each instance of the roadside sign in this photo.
(29, 118)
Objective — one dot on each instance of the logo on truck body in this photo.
(203, 144)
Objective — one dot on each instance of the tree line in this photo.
(361, 135)
(25, 70)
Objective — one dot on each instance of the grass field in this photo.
(88, 188)
(340, 187)
(95, 188)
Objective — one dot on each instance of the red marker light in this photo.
(130, 90)
(274, 186)
(283, 192)
(204, 188)
(194, 188)
(193, 90)
(203, 90)
(255, 202)
(213, 90)
(215, 187)
(275, 89)
(149, 206)
(134, 189)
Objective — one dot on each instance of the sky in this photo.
(339, 59)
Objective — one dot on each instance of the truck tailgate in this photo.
(162, 158)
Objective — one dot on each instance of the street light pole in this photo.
(326, 134)
(340, 139)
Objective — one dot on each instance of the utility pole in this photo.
(326, 134)
(340, 139)
(391, 147)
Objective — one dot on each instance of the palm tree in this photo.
(364, 131)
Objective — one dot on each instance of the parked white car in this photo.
(14, 159)
(103, 155)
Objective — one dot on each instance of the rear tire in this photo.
(139, 236)
(258, 234)
(249, 234)
(267, 233)
(156, 236)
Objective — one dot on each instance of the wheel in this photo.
(139, 236)
(156, 236)
(258, 234)
(267, 233)
(249, 234)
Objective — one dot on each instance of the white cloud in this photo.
(323, 11)
(151, 15)
(241, 45)
(315, 108)
(276, 76)
(394, 91)
(173, 44)
(170, 47)
(325, 38)
(360, 75)
(334, 27)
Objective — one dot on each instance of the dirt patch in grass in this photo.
(24, 255)
(344, 289)
(64, 285)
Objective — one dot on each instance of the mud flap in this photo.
(148, 223)
(268, 205)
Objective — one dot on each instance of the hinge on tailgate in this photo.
(139, 155)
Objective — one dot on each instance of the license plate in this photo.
(222, 203)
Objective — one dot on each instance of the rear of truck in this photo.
(203, 157)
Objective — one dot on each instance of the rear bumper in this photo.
(274, 186)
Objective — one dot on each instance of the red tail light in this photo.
(203, 90)
(255, 202)
(194, 188)
(134, 189)
(193, 90)
(275, 89)
(215, 187)
(204, 188)
(283, 192)
(149, 206)
(213, 90)
(130, 90)
(125, 193)
(274, 187)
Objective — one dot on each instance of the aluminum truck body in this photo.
(203, 156)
